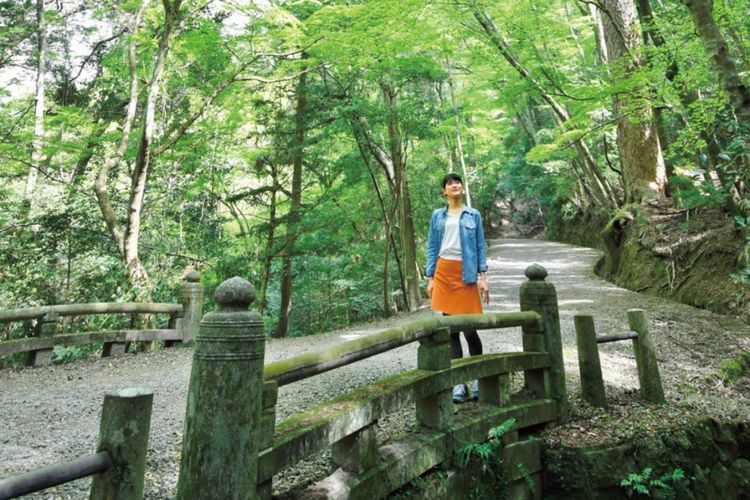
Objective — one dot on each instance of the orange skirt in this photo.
(450, 295)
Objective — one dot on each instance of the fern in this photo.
(486, 454)
(665, 486)
(527, 477)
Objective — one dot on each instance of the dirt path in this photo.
(49, 415)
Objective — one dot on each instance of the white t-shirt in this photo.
(450, 247)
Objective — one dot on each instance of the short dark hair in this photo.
(452, 177)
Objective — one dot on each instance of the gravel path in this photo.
(49, 415)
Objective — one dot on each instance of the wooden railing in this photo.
(231, 391)
(182, 326)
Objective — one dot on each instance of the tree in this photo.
(643, 169)
(718, 52)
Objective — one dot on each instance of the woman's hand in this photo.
(429, 287)
(484, 289)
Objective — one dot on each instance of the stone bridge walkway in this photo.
(49, 415)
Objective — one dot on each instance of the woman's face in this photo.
(453, 188)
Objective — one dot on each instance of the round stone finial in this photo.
(535, 272)
(235, 293)
(193, 276)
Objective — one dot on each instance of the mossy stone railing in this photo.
(119, 465)
(182, 326)
(587, 341)
(231, 438)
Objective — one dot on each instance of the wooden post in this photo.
(46, 326)
(539, 296)
(645, 358)
(436, 410)
(222, 430)
(191, 298)
(267, 430)
(592, 383)
(123, 433)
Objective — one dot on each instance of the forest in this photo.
(300, 144)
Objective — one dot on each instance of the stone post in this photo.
(539, 296)
(495, 390)
(267, 429)
(110, 349)
(357, 452)
(46, 326)
(123, 433)
(436, 410)
(222, 430)
(191, 298)
(592, 383)
(645, 358)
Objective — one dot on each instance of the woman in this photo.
(457, 268)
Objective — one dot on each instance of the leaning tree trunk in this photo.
(136, 270)
(285, 308)
(718, 52)
(403, 199)
(644, 175)
(36, 145)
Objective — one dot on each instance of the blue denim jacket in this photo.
(473, 249)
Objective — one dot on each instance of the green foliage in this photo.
(691, 193)
(666, 486)
(493, 478)
(67, 354)
(732, 369)
(743, 275)
(218, 199)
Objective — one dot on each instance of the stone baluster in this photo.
(123, 433)
(46, 326)
(267, 429)
(645, 358)
(222, 432)
(540, 296)
(357, 452)
(191, 298)
(589, 366)
(435, 411)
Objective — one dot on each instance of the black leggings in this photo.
(472, 338)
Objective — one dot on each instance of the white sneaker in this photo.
(460, 394)
(474, 389)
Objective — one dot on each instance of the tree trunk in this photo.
(362, 143)
(285, 308)
(113, 159)
(643, 169)
(265, 270)
(136, 271)
(718, 52)
(38, 142)
(459, 145)
(403, 200)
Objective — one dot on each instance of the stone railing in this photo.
(118, 467)
(587, 341)
(231, 443)
(182, 326)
